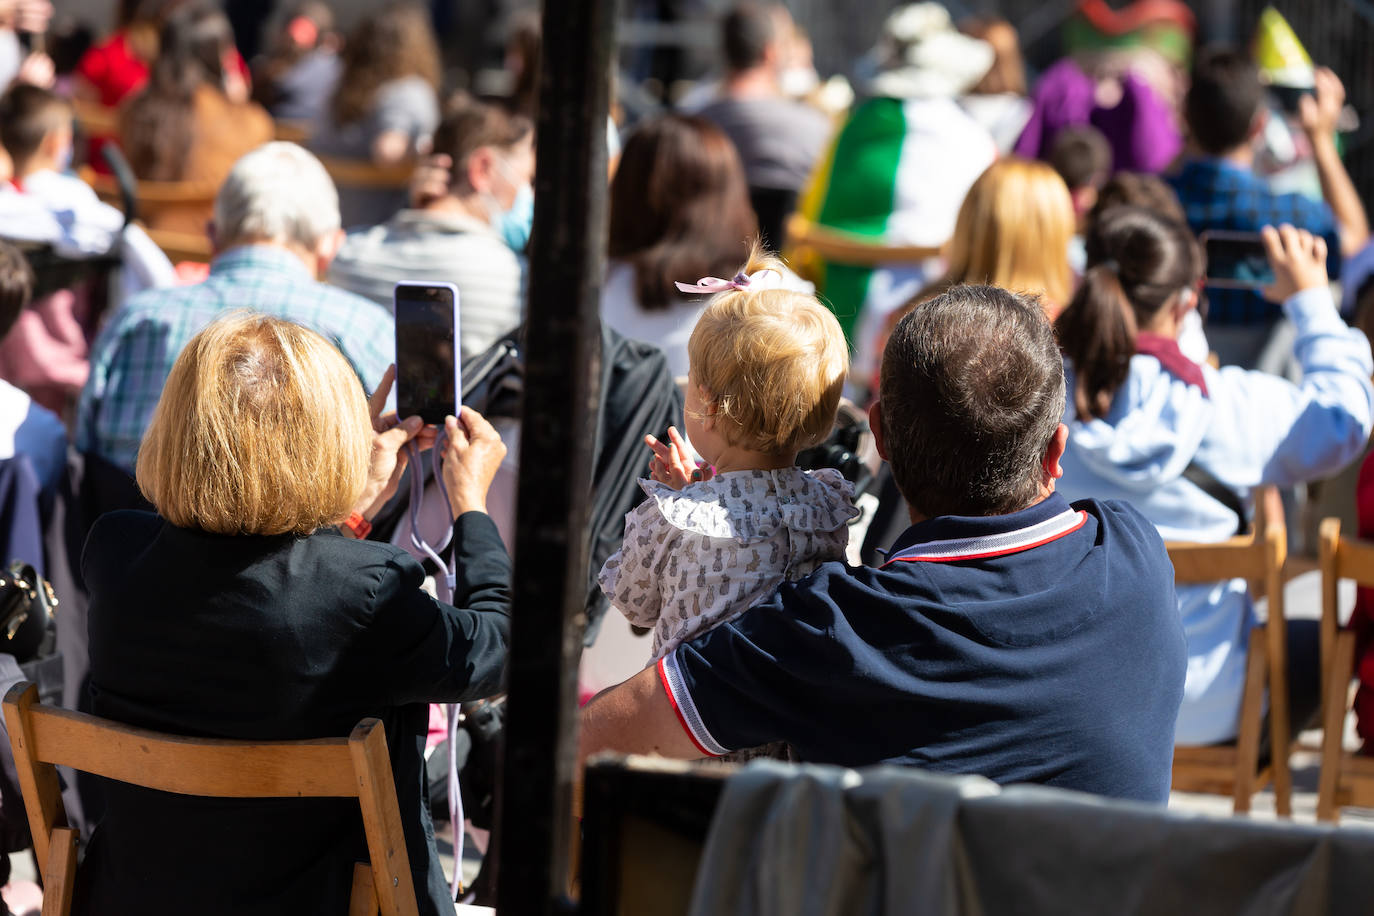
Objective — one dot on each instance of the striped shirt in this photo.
(420, 245)
(134, 353)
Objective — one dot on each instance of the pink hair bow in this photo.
(711, 285)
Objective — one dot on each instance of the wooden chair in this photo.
(365, 175)
(1233, 769)
(44, 738)
(807, 240)
(1346, 779)
(159, 201)
(291, 131)
(95, 119)
(183, 246)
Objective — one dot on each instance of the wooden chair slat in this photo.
(395, 891)
(847, 248)
(220, 769)
(362, 174)
(1355, 561)
(1257, 557)
(1345, 779)
(59, 874)
(355, 767)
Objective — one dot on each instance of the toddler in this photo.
(766, 369)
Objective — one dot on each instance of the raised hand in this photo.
(672, 462)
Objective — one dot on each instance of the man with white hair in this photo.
(275, 229)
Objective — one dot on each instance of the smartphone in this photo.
(1288, 97)
(1236, 260)
(427, 364)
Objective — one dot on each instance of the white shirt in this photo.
(670, 328)
(63, 211)
(34, 431)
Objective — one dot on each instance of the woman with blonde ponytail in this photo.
(1151, 426)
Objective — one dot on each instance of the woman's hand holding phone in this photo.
(473, 452)
(388, 459)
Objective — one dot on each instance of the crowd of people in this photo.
(1057, 378)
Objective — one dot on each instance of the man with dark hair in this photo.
(778, 139)
(1217, 186)
(1009, 634)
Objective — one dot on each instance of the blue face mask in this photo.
(514, 224)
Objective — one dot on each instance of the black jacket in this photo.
(274, 638)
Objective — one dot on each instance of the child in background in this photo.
(1083, 158)
(44, 202)
(767, 367)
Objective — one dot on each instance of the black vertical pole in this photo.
(557, 435)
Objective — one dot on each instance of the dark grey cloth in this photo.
(779, 140)
(274, 638)
(811, 841)
(303, 92)
(408, 106)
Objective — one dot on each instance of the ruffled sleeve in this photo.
(751, 506)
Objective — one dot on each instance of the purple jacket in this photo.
(1140, 129)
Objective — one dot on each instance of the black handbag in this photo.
(27, 604)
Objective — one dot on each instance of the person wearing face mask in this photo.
(472, 232)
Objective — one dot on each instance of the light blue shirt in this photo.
(1248, 429)
(133, 355)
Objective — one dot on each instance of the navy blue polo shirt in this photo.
(1043, 646)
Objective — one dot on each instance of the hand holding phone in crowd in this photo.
(1298, 259)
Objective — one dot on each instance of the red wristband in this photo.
(358, 525)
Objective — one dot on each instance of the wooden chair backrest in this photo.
(183, 246)
(291, 131)
(95, 119)
(1258, 556)
(363, 175)
(155, 194)
(1340, 558)
(806, 239)
(354, 767)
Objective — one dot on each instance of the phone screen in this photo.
(426, 350)
(1288, 97)
(1236, 260)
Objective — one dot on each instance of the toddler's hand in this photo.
(672, 462)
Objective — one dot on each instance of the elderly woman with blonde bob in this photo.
(242, 610)
(767, 365)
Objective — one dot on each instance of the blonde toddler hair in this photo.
(262, 428)
(772, 362)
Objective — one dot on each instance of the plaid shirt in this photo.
(133, 355)
(1218, 195)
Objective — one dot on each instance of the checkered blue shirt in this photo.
(1218, 195)
(134, 353)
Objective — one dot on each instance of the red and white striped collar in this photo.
(992, 545)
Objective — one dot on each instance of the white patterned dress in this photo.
(700, 556)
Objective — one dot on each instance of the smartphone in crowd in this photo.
(1289, 97)
(1236, 260)
(427, 364)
